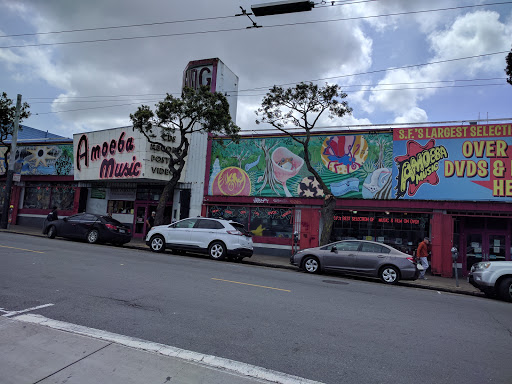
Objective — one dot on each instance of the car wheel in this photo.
(389, 274)
(217, 250)
(505, 289)
(311, 264)
(93, 236)
(157, 243)
(52, 232)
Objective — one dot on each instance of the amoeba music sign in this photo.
(469, 162)
(118, 154)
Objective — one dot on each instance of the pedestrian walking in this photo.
(52, 216)
(422, 254)
(150, 222)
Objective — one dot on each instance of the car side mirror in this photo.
(334, 249)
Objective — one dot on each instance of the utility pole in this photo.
(10, 170)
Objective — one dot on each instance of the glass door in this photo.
(486, 246)
(474, 249)
(496, 250)
(140, 220)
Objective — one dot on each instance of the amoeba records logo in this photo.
(418, 166)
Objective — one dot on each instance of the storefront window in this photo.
(272, 222)
(120, 206)
(260, 221)
(44, 196)
(2, 194)
(401, 230)
(149, 193)
(62, 197)
(238, 214)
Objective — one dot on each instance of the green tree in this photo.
(508, 69)
(301, 107)
(173, 122)
(7, 116)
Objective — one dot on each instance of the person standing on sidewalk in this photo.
(422, 254)
(150, 222)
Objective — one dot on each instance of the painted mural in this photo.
(453, 163)
(353, 166)
(50, 159)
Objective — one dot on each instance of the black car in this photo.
(90, 227)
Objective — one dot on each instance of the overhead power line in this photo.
(156, 23)
(382, 70)
(119, 26)
(241, 29)
(69, 99)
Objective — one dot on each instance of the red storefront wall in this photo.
(442, 242)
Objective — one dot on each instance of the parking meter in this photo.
(455, 256)
(295, 242)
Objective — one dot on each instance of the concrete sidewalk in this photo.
(35, 349)
(436, 283)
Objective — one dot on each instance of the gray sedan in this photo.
(359, 257)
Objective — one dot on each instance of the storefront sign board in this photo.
(453, 163)
(121, 154)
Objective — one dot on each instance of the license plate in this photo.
(122, 231)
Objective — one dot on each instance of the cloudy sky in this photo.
(374, 49)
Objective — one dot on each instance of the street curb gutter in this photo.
(211, 361)
(290, 267)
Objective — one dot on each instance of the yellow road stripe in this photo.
(21, 249)
(252, 285)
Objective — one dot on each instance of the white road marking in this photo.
(14, 313)
(167, 350)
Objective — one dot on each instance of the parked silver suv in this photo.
(493, 278)
(215, 237)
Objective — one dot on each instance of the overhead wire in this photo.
(241, 29)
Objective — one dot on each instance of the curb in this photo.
(442, 289)
(293, 268)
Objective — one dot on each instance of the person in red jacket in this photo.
(422, 254)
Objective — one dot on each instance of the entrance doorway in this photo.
(142, 212)
(486, 245)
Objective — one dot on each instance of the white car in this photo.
(493, 278)
(215, 237)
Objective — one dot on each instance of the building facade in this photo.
(453, 184)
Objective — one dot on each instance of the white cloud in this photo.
(472, 34)
(412, 115)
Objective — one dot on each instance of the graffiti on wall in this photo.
(454, 163)
(56, 159)
(352, 166)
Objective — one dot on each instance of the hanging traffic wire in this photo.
(244, 13)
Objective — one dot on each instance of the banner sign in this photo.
(453, 163)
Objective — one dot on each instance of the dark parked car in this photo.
(359, 257)
(90, 227)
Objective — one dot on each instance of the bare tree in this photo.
(301, 107)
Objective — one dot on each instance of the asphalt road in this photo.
(324, 328)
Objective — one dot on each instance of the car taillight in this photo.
(411, 259)
(238, 233)
(110, 226)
